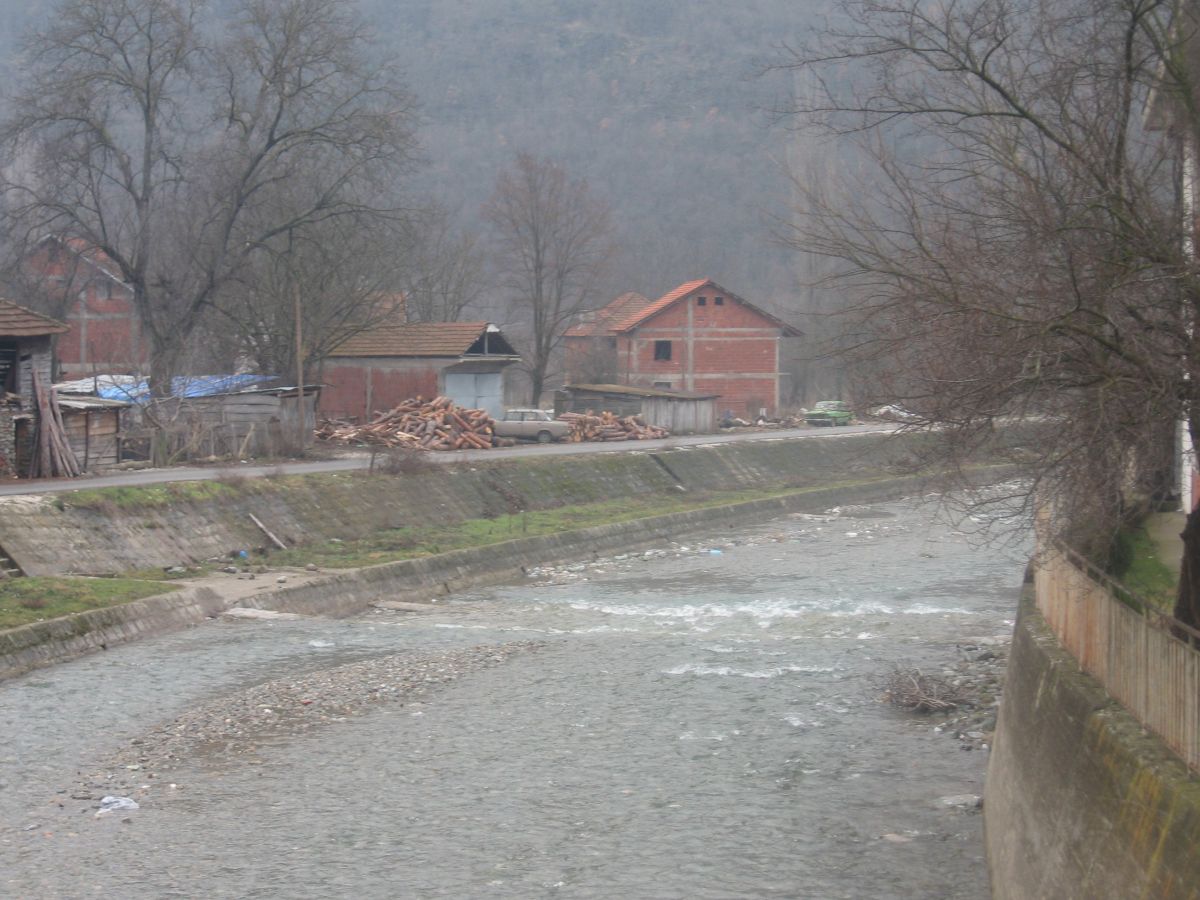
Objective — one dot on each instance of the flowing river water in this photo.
(698, 719)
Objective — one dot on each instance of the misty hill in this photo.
(656, 104)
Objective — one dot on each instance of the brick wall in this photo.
(727, 349)
(357, 388)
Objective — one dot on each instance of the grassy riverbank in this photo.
(416, 541)
(27, 600)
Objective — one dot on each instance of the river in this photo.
(698, 719)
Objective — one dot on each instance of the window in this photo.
(718, 301)
(663, 385)
(700, 301)
(662, 349)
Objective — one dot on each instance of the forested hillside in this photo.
(659, 105)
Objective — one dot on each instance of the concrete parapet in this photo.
(1080, 801)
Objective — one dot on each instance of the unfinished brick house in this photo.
(80, 285)
(699, 338)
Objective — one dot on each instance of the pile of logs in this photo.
(52, 456)
(609, 426)
(417, 424)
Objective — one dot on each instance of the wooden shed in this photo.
(262, 422)
(94, 430)
(679, 412)
(25, 353)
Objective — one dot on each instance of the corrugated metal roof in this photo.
(604, 321)
(17, 321)
(425, 339)
(629, 390)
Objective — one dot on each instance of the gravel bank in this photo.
(231, 729)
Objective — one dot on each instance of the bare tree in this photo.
(164, 139)
(553, 242)
(447, 272)
(1020, 253)
(342, 280)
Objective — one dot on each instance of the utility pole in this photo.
(301, 419)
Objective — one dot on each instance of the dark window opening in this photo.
(662, 349)
(719, 301)
(8, 367)
(700, 301)
(663, 385)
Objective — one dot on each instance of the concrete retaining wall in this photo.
(344, 593)
(66, 534)
(1080, 802)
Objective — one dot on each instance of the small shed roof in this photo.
(629, 390)
(17, 321)
(441, 339)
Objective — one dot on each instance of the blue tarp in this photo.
(138, 391)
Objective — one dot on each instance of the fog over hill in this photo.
(659, 105)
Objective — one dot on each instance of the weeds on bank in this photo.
(1143, 573)
(425, 540)
(27, 600)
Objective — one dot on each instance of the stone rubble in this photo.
(979, 674)
(233, 728)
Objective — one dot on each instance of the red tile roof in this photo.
(17, 321)
(685, 290)
(426, 339)
(660, 304)
(604, 321)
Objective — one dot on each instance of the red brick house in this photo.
(378, 368)
(699, 337)
(83, 287)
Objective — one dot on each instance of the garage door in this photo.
(476, 390)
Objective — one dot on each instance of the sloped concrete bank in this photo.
(99, 532)
(344, 593)
(1080, 802)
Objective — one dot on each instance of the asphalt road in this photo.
(362, 460)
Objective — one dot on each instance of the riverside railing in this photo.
(1126, 645)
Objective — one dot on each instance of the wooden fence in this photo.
(1126, 645)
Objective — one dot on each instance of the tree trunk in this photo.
(1187, 602)
(537, 381)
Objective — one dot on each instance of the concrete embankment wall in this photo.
(87, 534)
(1080, 802)
(424, 579)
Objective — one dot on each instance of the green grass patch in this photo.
(416, 541)
(26, 600)
(1144, 573)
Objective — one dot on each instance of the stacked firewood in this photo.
(52, 456)
(417, 424)
(609, 426)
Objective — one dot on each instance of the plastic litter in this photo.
(115, 804)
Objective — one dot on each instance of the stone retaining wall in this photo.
(1080, 802)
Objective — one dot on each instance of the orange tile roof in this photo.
(604, 320)
(660, 304)
(425, 339)
(690, 287)
(17, 321)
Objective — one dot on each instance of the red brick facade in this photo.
(105, 333)
(698, 338)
